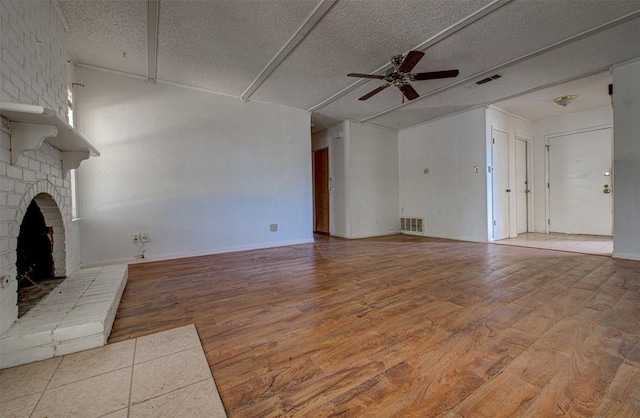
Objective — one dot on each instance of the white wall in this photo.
(373, 192)
(626, 111)
(515, 127)
(543, 129)
(201, 173)
(452, 198)
(363, 168)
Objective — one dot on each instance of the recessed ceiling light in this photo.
(565, 100)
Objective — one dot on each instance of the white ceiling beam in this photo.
(492, 70)
(153, 16)
(321, 9)
(475, 16)
(63, 19)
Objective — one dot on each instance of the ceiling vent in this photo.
(483, 81)
(486, 80)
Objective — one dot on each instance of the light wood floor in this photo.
(403, 326)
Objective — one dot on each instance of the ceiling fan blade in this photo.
(435, 74)
(409, 92)
(376, 76)
(376, 91)
(410, 61)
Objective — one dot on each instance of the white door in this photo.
(500, 180)
(580, 183)
(522, 187)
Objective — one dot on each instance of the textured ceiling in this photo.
(297, 52)
(592, 92)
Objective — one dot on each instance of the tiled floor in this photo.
(161, 375)
(586, 244)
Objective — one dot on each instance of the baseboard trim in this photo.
(164, 257)
(625, 256)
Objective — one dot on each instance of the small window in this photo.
(70, 114)
(72, 173)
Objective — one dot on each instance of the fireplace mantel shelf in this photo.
(31, 125)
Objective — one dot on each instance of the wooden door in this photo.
(321, 190)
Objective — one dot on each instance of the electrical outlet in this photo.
(144, 236)
(273, 227)
(4, 282)
(136, 238)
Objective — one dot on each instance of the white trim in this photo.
(163, 257)
(109, 71)
(530, 184)
(379, 234)
(153, 18)
(630, 61)
(454, 238)
(506, 112)
(625, 256)
(65, 24)
(321, 9)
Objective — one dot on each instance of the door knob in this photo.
(508, 190)
(606, 191)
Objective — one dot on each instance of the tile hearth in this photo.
(77, 315)
(163, 374)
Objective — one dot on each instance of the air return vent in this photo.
(411, 224)
(488, 79)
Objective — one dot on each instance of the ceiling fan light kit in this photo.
(400, 75)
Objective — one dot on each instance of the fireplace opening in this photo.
(35, 262)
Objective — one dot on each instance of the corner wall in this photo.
(363, 167)
(200, 173)
(451, 198)
(626, 160)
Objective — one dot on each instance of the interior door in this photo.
(500, 183)
(321, 190)
(522, 186)
(580, 183)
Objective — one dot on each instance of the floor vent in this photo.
(411, 224)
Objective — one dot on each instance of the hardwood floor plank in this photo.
(504, 396)
(402, 326)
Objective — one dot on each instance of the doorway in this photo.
(580, 183)
(500, 183)
(321, 190)
(522, 186)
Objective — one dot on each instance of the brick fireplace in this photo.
(36, 177)
(37, 149)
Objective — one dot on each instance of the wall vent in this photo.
(411, 224)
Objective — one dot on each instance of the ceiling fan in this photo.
(400, 75)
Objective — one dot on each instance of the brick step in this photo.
(77, 315)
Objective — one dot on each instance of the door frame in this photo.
(547, 166)
(509, 178)
(530, 206)
(313, 171)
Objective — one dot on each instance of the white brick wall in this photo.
(33, 55)
(32, 71)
